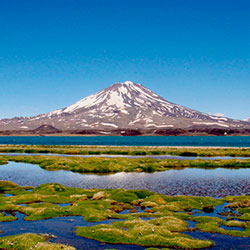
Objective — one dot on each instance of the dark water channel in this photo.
(217, 182)
(63, 228)
(221, 241)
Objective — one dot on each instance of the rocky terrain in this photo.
(124, 109)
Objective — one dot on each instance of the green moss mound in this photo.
(7, 185)
(51, 188)
(30, 241)
(124, 196)
(165, 226)
(144, 233)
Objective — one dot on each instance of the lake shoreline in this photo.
(188, 151)
(103, 135)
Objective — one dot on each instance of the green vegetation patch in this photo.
(212, 225)
(165, 225)
(102, 165)
(156, 232)
(30, 241)
(125, 150)
(6, 218)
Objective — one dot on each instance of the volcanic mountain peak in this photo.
(124, 105)
(128, 82)
(113, 95)
(119, 95)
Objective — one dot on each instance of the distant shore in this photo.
(193, 151)
(201, 131)
(93, 135)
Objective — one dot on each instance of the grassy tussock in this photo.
(101, 165)
(30, 241)
(145, 233)
(167, 215)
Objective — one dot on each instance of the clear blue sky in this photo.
(191, 52)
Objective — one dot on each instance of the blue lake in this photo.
(219, 141)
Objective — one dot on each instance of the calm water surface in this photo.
(64, 230)
(190, 181)
(162, 157)
(220, 141)
(66, 226)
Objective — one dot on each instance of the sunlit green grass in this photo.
(102, 165)
(126, 150)
(30, 241)
(166, 222)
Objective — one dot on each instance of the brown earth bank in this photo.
(51, 131)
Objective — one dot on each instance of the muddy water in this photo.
(190, 181)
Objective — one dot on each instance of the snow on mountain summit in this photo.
(111, 96)
(122, 105)
(119, 95)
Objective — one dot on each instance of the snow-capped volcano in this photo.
(124, 105)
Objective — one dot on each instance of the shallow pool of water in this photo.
(63, 228)
(222, 241)
(217, 182)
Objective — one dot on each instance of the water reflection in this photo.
(190, 181)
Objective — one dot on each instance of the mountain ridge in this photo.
(124, 105)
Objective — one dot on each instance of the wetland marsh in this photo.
(98, 202)
(122, 217)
